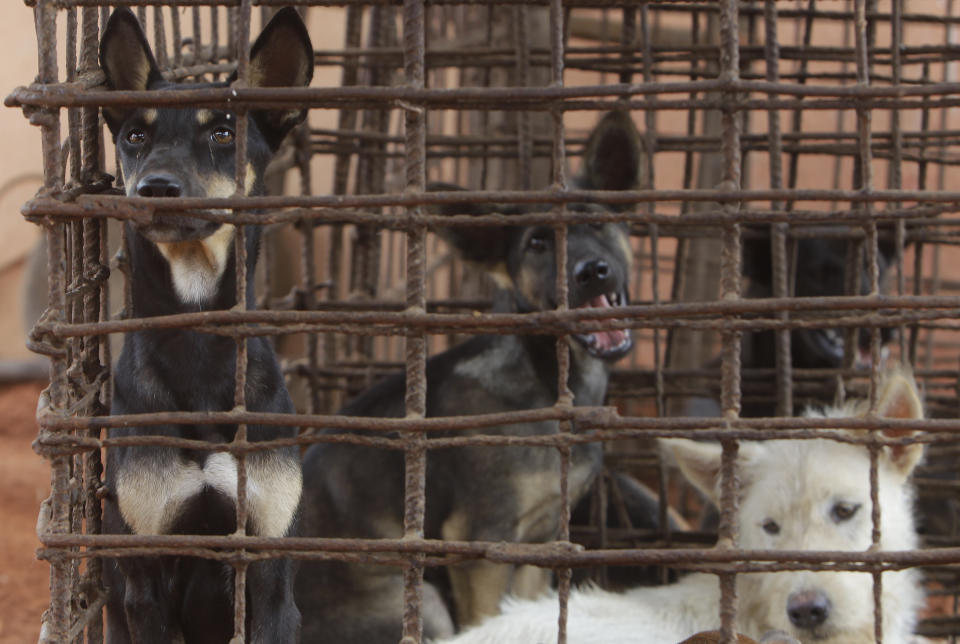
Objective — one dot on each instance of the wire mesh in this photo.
(772, 121)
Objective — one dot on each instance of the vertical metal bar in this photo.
(935, 275)
(74, 305)
(177, 37)
(415, 455)
(730, 278)
(95, 267)
(778, 232)
(57, 618)
(865, 156)
(797, 126)
(346, 120)
(197, 41)
(241, 31)
(159, 38)
(564, 395)
(521, 46)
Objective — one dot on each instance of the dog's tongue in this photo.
(604, 341)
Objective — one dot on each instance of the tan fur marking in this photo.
(623, 241)
(197, 266)
(528, 284)
(250, 179)
(477, 589)
(530, 582)
(151, 498)
(456, 527)
(498, 272)
(274, 486)
(150, 116)
(142, 73)
(217, 185)
(204, 116)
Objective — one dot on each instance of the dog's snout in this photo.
(159, 185)
(808, 609)
(594, 270)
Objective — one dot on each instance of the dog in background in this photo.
(182, 264)
(820, 270)
(795, 495)
(473, 493)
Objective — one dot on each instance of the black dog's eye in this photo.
(136, 136)
(771, 527)
(841, 512)
(222, 136)
(537, 242)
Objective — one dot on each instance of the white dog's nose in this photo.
(808, 609)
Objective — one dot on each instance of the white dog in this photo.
(795, 495)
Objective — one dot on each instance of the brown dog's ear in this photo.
(613, 157)
(127, 61)
(282, 56)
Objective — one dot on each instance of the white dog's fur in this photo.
(799, 485)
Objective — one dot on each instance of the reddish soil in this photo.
(24, 483)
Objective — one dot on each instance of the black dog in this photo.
(820, 270)
(181, 264)
(475, 493)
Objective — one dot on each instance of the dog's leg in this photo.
(529, 582)
(477, 590)
(147, 604)
(274, 617)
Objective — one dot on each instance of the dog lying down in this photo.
(795, 495)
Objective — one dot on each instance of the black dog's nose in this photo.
(159, 185)
(588, 271)
(808, 609)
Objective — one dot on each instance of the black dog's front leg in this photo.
(273, 616)
(148, 602)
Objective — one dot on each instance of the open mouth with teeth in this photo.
(829, 345)
(606, 345)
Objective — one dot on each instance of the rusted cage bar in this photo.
(740, 104)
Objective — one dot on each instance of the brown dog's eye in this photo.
(222, 135)
(136, 136)
(537, 243)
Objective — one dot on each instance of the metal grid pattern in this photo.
(726, 102)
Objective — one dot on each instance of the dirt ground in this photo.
(24, 482)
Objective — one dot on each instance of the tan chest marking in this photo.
(197, 266)
(151, 499)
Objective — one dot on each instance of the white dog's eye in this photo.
(841, 512)
(771, 527)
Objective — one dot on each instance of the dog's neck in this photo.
(152, 288)
(588, 376)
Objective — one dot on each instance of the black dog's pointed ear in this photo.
(127, 61)
(282, 56)
(484, 245)
(613, 156)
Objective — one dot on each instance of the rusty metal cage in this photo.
(789, 117)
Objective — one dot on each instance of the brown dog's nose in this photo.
(159, 185)
(591, 270)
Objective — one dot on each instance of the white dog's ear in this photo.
(898, 398)
(700, 462)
